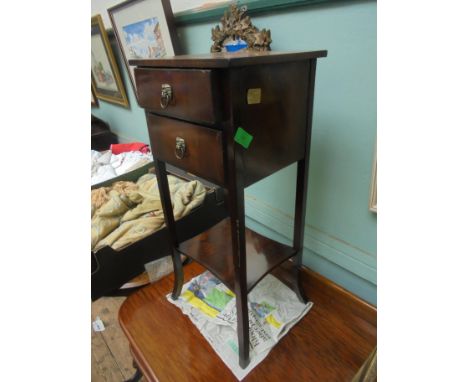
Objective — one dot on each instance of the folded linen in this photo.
(105, 165)
(128, 212)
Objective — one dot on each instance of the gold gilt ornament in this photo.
(235, 25)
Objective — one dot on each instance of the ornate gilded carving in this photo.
(235, 24)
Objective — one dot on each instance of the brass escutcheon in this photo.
(179, 147)
(166, 95)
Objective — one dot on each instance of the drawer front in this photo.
(194, 148)
(191, 91)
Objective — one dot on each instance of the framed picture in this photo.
(373, 188)
(94, 100)
(145, 29)
(105, 76)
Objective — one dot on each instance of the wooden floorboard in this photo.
(105, 363)
(95, 372)
(111, 360)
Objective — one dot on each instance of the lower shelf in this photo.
(213, 250)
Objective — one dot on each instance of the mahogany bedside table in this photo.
(233, 119)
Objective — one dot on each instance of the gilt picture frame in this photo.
(94, 100)
(105, 75)
(144, 29)
(373, 186)
(237, 32)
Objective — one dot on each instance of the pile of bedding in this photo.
(106, 165)
(128, 212)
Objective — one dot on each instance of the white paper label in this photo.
(98, 325)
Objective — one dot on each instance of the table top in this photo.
(226, 60)
(329, 344)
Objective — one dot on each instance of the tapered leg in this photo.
(165, 196)
(238, 246)
(243, 328)
(179, 274)
(299, 221)
(237, 216)
(297, 281)
(301, 190)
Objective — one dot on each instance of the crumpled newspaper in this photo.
(273, 310)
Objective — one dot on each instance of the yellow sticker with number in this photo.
(254, 96)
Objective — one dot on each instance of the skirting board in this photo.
(341, 296)
(123, 139)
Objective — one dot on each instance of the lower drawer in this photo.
(193, 148)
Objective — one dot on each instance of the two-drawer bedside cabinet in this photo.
(233, 119)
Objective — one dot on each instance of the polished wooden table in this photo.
(329, 344)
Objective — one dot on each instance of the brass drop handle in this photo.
(166, 95)
(179, 148)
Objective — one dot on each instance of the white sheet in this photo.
(105, 165)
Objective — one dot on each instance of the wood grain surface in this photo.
(278, 123)
(226, 60)
(204, 148)
(329, 344)
(193, 97)
(111, 360)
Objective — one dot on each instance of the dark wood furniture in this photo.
(196, 108)
(101, 135)
(329, 344)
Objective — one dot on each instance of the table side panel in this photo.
(277, 122)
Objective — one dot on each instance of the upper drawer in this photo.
(192, 96)
(196, 149)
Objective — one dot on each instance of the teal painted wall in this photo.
(340, 236)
